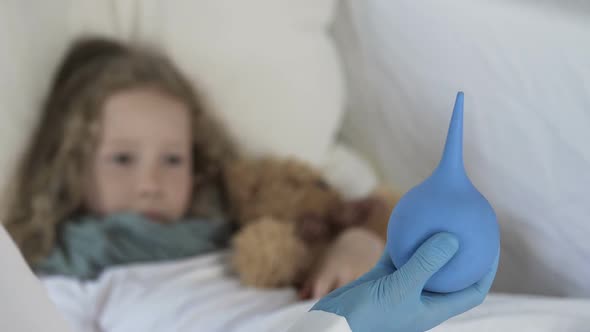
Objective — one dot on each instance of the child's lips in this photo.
(153, 215)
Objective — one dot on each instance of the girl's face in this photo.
(143, 161)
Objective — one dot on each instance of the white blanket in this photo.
(200, 294)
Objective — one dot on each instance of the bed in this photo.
(201, 294)
(372, 83)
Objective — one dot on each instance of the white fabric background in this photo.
(32, 36)
(525, 70)
(525, 73)
(267, 69)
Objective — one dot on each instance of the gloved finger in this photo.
(430, 257)
(453, 304)
(385, 264)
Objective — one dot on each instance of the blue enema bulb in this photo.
(447, 201)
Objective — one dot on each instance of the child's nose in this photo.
(149, 182)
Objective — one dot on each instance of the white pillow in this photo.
(348, 172)
(525, 70)
(269, 68)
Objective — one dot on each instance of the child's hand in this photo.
(353, 253)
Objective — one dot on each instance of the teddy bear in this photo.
(287, 214)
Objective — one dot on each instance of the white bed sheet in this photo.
(200, 294)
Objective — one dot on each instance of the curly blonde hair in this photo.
(47, 187)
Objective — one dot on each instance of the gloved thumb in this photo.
(430, 257)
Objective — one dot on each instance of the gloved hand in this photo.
(386, 299)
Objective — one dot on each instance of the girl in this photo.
(123, 164)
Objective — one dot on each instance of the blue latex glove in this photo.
(386, 299)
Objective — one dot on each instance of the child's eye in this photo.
(122, 159)
(173, 160)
